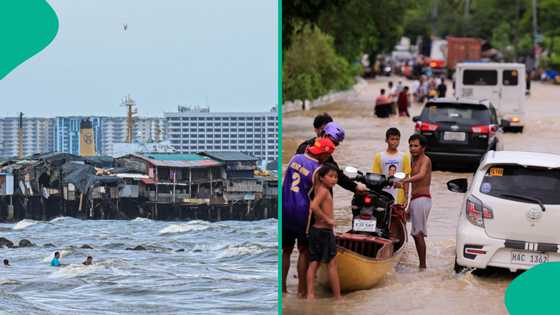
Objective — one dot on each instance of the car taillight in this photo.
(477, 212)
(368, 200)
(484, 129)
(424, 126)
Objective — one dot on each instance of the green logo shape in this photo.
(535, 291)
(26, 28)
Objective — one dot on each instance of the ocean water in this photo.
(194, 267)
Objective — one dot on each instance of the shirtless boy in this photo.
(421, 200)
(322, 242)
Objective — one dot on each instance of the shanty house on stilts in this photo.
(176, 180)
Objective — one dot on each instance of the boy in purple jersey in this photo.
(296, 186)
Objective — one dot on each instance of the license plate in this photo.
(454, 136)
(364, 225)
(528, 258)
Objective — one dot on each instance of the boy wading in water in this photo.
(322, 242)
(421, 201)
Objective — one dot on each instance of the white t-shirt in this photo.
(389, 164)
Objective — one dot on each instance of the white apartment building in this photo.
(145, 130)
(38, 136)
(149, 129)
(192, 130)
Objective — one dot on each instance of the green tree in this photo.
(311, 67)
(359, 26)
(297, 14)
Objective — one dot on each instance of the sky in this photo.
(219, 53)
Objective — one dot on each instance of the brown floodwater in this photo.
(438, 290)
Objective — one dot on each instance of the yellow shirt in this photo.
(383, 163)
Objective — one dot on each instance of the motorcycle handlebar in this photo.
(375, 181)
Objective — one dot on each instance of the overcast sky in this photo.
(219, 53)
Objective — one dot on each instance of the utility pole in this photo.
(466, 16)
(516, 32)
(20, 136)
(535, 33)
(434, 17)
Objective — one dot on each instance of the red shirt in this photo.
(403, 99)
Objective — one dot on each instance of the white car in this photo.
(510, 216)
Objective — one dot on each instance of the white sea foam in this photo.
(192, 226)
(138, 219)
(23, 224)
(61, 219)
(241, 250)
(73, 270)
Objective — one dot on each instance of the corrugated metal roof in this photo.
(202, 162)
(174, 157)
(229, 156)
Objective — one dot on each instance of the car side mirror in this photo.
(415, 118)
(458, 185)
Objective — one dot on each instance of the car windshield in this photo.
(463, 114)
(515, 182)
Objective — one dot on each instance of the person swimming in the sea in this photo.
(88, 261)
(55, 262)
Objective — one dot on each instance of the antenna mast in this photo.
(131, 111)
(20, 136)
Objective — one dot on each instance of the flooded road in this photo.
(406, 290)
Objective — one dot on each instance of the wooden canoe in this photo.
(363, 261)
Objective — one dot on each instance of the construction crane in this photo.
(130, 104)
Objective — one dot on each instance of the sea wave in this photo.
(141, 220)
(65, 220)
(242, 250)
(24, 224)
(74, 270)
(192, 226)
(64, 252)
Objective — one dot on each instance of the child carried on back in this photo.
(322, 242)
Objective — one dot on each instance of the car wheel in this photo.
(458, 268)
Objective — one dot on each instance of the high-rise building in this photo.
(106, 131)
(192, 130)
(149, 129)
(145, 130)
(114, 131)
(189, 130)
(37, 136)
(67, 134)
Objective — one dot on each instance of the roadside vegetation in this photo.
(323, 40)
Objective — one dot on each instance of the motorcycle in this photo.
(371, 211)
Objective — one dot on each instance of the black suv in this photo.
(458, 130)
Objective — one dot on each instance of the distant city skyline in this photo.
(221, 54)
